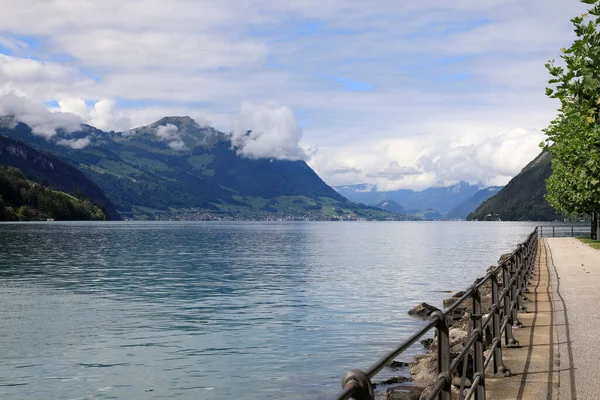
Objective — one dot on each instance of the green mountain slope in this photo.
(175, 167)
(523, 197)
(42, 167)
(469, 205)
(25, 200)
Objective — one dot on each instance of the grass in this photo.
(592, 243)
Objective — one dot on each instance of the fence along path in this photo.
(509, 282)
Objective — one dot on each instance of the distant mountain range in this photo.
(462, 210)
(176, 167)
(450, 202)
(522, 199)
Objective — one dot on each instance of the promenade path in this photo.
(534, 363)
(577, 267)
(559, 354)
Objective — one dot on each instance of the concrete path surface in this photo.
(534, 374)
(577, 309)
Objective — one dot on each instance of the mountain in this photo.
(24, 200)
(43, 167)
(438, 200)
(176, 167)
(389, 206)
(469, 205)
(523, 197)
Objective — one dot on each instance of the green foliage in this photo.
(573, 138)
(24, 200)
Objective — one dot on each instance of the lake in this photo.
(262, 310)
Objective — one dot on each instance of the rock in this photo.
(424, 370)
(423, 310)
(456, 380)
(391, 381)
(503, 258)
(398, 364)
(448, 302)
(427, 342)
(404, 393)
(458, 295)
(457, 335)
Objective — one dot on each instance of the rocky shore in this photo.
(423, 368)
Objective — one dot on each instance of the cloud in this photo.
(493, 161)
(170, 133)
(41, 121)
(419, 80)
(395, 172)
(76, 144)
(267, 131)
(102, 115)
(39, 80)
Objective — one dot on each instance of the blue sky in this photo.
(453, 90)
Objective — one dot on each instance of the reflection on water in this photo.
(220, 310)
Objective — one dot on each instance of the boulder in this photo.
(404, 393)
(423, 310)
(503, 258)
(391, 381)
(398, 364)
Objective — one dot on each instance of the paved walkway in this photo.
(533, 364)
(559, 357)
(577, 267)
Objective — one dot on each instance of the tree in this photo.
(573, 138)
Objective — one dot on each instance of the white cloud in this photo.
(447, 77)
(37, 116)
(170, 133)
(493, 161)
(395, 172)
(102, 114)
(105, 116)
(39, 80)
(267, 131)
(76, 144)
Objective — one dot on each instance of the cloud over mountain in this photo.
(267, 131)
(42, 121)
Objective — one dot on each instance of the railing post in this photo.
(514, 304)
(499, 367)
(523, 268)
(443, 358)
(572, 231)
(553, 231)
(542, 231)
(509, 339)
(478, 346)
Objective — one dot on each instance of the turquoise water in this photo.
(220, 310)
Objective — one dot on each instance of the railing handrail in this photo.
(563, 230)
(515, 269)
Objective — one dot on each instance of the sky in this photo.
(397, 94)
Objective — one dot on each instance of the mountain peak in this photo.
(180, 133)
(180, 122)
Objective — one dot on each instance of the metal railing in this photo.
(506, 300)
(564, 231)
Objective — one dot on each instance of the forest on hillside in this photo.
(25, 200)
